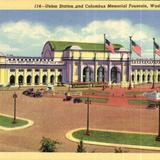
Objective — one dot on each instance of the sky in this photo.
(24, 32)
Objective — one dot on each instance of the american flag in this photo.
(109, 46)
(136, 48)
(157, 48)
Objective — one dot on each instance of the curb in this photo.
(71, 138)
(30, 123)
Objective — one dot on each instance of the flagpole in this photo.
(103, 63)
(154, 58)
(130, 67)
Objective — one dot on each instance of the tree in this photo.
(48, 145)
(80, 147)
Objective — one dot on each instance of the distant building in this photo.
(71, 62)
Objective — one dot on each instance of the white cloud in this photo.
(6, 48)
(22, 30)
(30, 37)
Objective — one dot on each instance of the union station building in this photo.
(64, 62)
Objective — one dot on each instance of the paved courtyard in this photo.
(53, 118)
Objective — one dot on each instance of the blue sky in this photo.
(25, 32)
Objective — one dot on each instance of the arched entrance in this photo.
(100, 74)
(138, 78)
(149, 78)
(143, 78)
(87, 74)
(20, 79)
(115, 75)
(44, 79)
(29, 80)
(159, 78)
(60, 78)
(52, 79)
(36, 80)
(132, 77)
(12, 80)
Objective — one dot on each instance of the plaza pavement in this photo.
(53, 118)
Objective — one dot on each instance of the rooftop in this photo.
(62, 45)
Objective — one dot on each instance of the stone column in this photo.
(16, 77)
(25, 77)
(48, 76)
(135, 76)
(40, 76)
(33, 77)
(56, 77)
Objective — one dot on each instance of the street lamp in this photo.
(14, 98)
(88, 102)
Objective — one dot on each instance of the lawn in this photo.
(98, 100)
(140, 102)
(118, 138)
(7, 122)
(134, 92)
(92, 91)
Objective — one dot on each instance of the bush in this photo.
(120, 150)
(80, 147)
(48, 145)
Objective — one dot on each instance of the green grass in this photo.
(92, 91)
(134, 92)
(7, 122)
(140, 102)
(118, 138)
(99, 100)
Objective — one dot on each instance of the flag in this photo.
(109, 46)
(136, 48)
(157, 48)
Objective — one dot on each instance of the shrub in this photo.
(80, 147)
(48, 145)
(120, 150)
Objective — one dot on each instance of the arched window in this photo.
(100, 74)
(149, 77)
(132, 77)
(143, 78)
(36, 80)
(44, 79)
(114, 75)
(52, 79)
(60, 78)
(87, 74)
(12, 80)
(29, 80)
(138, 78)
(20, 79)
(159, 78)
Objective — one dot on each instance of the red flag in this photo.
(136, 48)
(157, 48)
(109, 46)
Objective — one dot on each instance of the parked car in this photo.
(152, 106)
(77, 100)
(28, 92)
(67, 98)
(37, 94)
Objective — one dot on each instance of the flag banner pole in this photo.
(154, 58)
(103, 88)
(130, 67)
